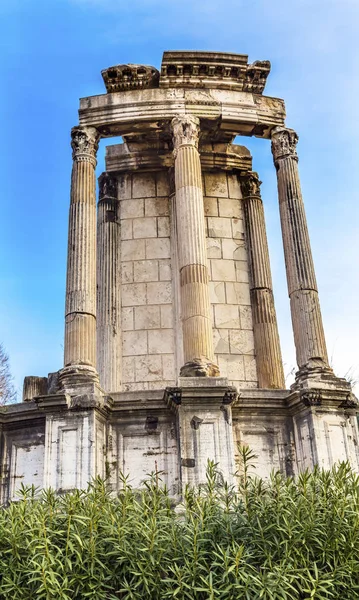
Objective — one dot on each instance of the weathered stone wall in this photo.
(74, 442)
(151, 354)
(141, 439)
(54, 441)
(261, 422)
(229, 285)
(147, 309)
(325, 438)
(22, 456)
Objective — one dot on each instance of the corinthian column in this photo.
(266, 337)
(302, 286)
(192, 253)
(80, 313)
(108, 286)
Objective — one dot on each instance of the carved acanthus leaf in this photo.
(250, 184)
(284, 143)
(185, 131)
(84, 142)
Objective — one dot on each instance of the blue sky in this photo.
(52, 53)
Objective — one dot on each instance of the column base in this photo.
(199, 368)
(321, 378)
(81, 381)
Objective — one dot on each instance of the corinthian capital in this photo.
(185, 131)
(284, 143)
(84, 143)
(250, 184)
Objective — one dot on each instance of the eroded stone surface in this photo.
(186, 328)
(130, 77)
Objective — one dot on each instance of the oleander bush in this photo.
(278, 539)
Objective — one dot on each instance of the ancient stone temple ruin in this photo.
(172, 353)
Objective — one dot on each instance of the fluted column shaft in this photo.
(192, 252)
(265, 329)
(80, 312)
(302, 286)
(108, 286)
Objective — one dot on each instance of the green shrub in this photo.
(281, 539)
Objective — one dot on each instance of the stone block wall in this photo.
(229, 285)
(22, 457)
(326, 437)
(261, 422)
(75, 443)
(147, 299)
(151, 353)
(142, 438)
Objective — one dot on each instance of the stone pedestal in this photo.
(325, 426)
(205, 427)
(34, 386)
(108, 286)
(192, 254)
(74, 442)
(80, 312)
(265, 329)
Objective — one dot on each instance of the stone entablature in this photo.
(227, 113)
(191, 70)
(213, 70)
(121, 78)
